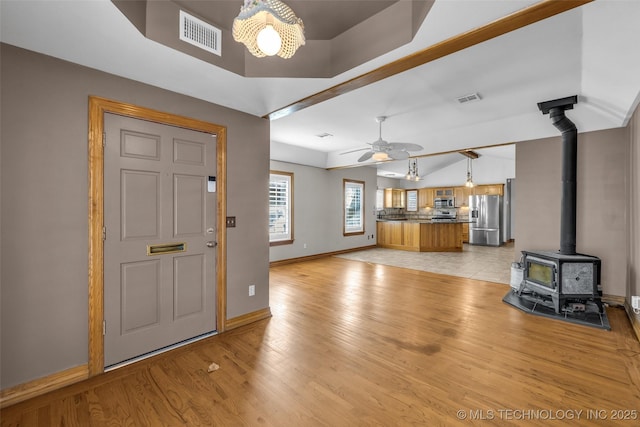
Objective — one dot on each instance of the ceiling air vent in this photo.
(470, 97)
(199, 33)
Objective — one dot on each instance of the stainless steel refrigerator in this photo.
(486, 212)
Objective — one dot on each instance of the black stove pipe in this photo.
(556, 109)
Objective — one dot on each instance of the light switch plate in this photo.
(231, 221)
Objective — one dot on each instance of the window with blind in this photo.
(280, 208)
(353, 207)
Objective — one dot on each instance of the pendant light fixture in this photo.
(412, 173)
(469, 182)
(267, 28)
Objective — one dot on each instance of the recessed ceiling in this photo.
(323, 20)
(340, 35)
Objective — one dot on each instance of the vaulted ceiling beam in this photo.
(469, 153)
(529, 15)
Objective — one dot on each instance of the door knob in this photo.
(212, 244)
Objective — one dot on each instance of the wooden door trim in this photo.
(97, 108)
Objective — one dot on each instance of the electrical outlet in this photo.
(252, 290)
(304, 246)
(635, 302)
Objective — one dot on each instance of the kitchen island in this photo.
(420, 235)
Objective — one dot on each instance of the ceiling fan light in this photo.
(380, 155)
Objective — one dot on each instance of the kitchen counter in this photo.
(420, 235)
(427, 221)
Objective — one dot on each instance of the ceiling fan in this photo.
(383, 150)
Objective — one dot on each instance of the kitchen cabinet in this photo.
(394, 198)
(492, 189)
(398, 235)
(443, 192)
(462, 196)
(441, 237)
(425, 197)
(420, 236)
(465, 233)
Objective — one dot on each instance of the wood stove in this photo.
(569, 281)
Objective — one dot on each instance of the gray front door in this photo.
(159, 217)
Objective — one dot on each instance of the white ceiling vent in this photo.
(198, 33)
(469, 98)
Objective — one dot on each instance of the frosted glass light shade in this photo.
(269, 41)
(381, 155)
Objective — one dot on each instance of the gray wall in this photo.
(317, 209)
(601, 200)
(44, 226)
(385, 182)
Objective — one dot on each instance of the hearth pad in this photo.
(590, 317)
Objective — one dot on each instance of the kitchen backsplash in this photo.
(422, 214)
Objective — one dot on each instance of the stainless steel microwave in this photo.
(444, 202)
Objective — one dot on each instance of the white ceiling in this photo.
(590, 51)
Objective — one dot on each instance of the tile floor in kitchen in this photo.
(488, 263)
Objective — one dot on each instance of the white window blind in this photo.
(353, 207)
(280, 218)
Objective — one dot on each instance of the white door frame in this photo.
(97, 108)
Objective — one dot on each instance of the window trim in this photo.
(290, 240)
(345, 182)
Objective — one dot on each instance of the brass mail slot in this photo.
(166, 248)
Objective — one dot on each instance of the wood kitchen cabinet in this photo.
(443, 192)
(399, 198)
(462, 196)
(420, 236)
(425, 197)
(465, 233)
(399, 235)
(394, 198)
(492, 189)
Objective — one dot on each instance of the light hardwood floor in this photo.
(355, 343)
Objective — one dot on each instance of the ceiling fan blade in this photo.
(398, 154)
(365, 156)
(405, 146)
(355, 151)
